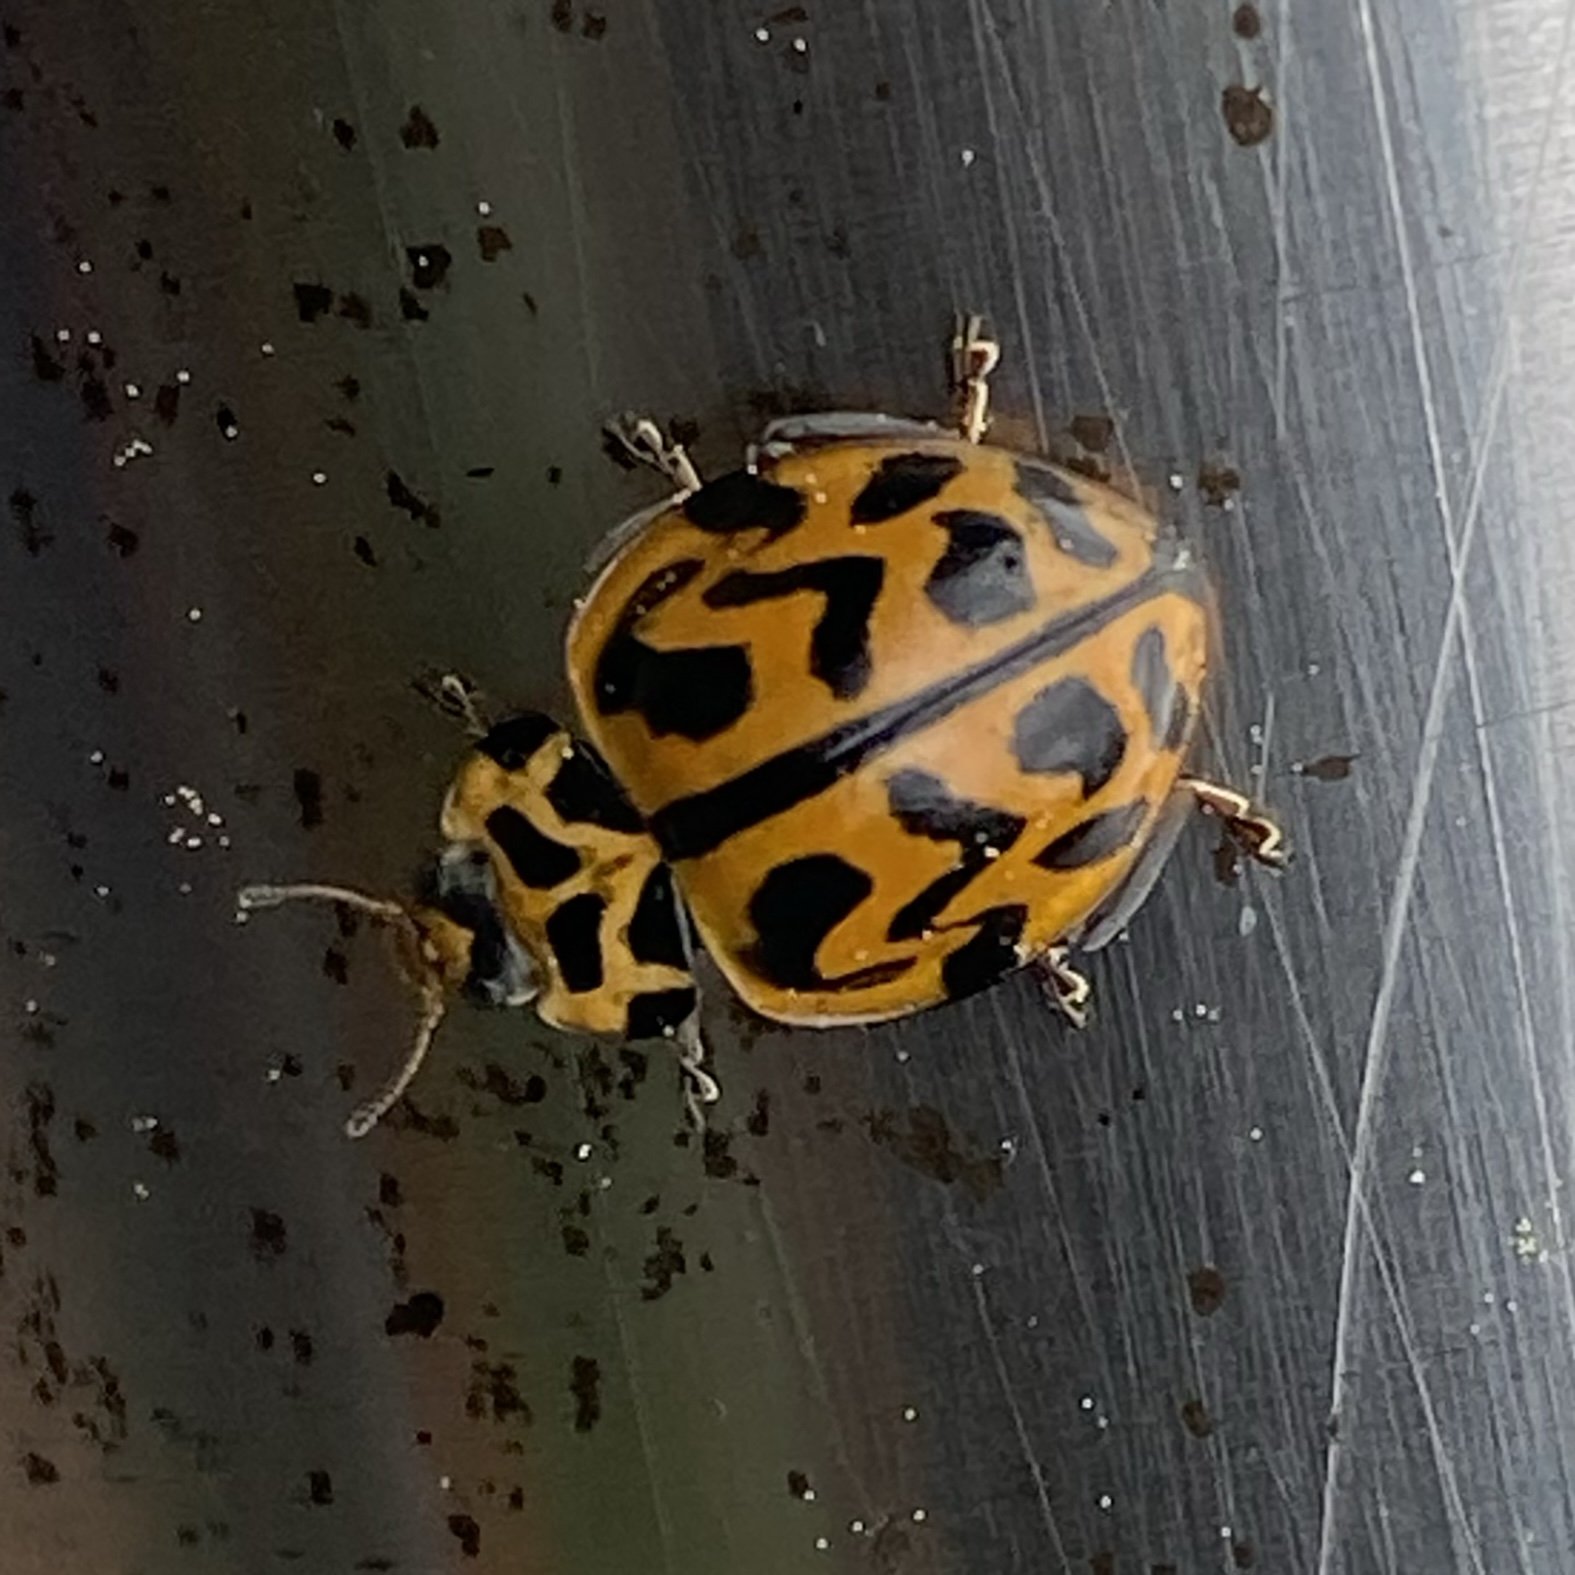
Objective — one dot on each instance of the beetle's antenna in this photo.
(367, 1116)
(382, 910)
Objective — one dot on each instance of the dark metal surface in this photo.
(1265, 1271)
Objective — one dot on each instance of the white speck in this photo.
(1511, 1305)
(910, 1413)
(273, 1074)
(856, 1527)
(1473, 1328)
(97, 757)
(920, 1516)
(603, 1183)
(1255, 1134)
(319, 477)
(1488, 1298)
(1087, 1402)
(1200, 1010)
(1031, 1321)
(978, 1270)
(194, 842)
(266, 347)
(94, 337)
(821, 1544)
(230, 431)
(808, 1495)
(801, 46)
(1313, 669)
(133, 391)
(214, 817)
(84, 266)
(139, 1192)
(1174, 481)
(1226, 1533)
(144, 1123)
(762, 35)
(904, 1057)
(445, 1483)
(63, 336)
(1417, 1177)
(968, 156)
(484, 208)
(1246, 921)
(101, 891)
(184, 888)
(31, 1008)
(1177, 1015)
(582, 1151)
(1008, 1147)
(183, 376)
(194, 615)
(1525, 1241)
(1105, 1502)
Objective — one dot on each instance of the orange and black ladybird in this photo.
(886, 714)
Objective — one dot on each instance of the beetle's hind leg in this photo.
(1259, 835)
(640, 441)
(975, 355)
(1066, 986)
(700, 1088)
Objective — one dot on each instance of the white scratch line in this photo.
(1375, 1055)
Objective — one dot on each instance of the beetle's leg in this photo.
(974, 357)
(249, 898)
(1257, 833)
(456, 696)
(1069, 989)
(700, 1088)
(644, 443)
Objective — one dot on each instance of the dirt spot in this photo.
(1249, 117)
(1206, 1286)
(419, 130)
(585, 1383)
(1245, 22)
(420, 1315)
(1326, 768)
(922, 1140)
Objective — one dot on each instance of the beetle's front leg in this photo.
(641, 441)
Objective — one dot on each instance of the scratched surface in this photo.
(310, 316)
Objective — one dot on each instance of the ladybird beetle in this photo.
(886, 714)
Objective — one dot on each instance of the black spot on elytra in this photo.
(794, 909)
(574, 932)
(418, 131)
(516, 738)
(584, 790)
(742, 500)
(695, 693)
(585, 1384)
(1094, 839)
(1070, 726)
(539, 861)
(1062, 510)
(691, 826)
(655, 935)
(420, 1315)
(982, 577)
(312, 300)
(429, 265)
(654, 1013)
(923, 806)
(839, 653)
(903, 482)
(988, 955)
(1167, 703)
